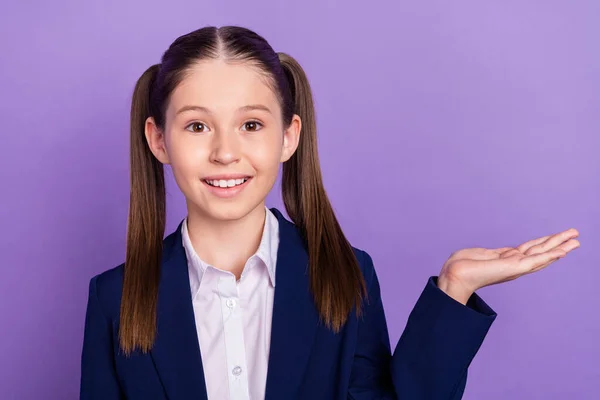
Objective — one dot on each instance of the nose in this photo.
(226, 148)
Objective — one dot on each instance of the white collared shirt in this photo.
(233, 318)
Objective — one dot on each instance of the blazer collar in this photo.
(176, 353)
(295, 316)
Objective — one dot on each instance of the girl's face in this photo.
(224, 139)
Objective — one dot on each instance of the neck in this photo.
(226, 245)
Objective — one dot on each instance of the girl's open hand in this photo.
(470, 269)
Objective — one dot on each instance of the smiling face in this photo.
(224, 138)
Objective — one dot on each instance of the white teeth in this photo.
(226, 183)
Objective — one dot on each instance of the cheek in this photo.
(185, 159)
(265, 155)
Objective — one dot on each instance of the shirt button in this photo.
(237, 371)
(230, 303)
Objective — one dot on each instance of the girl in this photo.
(239, 302)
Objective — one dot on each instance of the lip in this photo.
(225, 177)
(228, 192)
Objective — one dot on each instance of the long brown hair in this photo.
(336, 281)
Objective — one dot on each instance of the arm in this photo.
(98, 375)
(432, 356)
(441, 339)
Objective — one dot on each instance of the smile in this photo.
(228, 187)
(226, 183)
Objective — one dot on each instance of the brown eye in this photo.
(252, 126)
(196, 127)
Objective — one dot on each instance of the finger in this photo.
(544, 265)
(552, 242)
(536, 261)
(541, 267)
(569, 245)
(511, 253)
(501, 250)
(566, 247)
(527, 245)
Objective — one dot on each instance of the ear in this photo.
(156, 141)
(291, 138)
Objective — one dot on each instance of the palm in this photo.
(475, 268)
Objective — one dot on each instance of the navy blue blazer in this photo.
(306, 359)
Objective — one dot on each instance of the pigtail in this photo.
(145, 228)
(336, 279)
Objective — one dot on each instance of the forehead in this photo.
(223, 86)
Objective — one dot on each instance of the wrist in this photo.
(454, 289)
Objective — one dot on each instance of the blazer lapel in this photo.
(295, 317)
(176, 352)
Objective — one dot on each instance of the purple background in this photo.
(443, 125)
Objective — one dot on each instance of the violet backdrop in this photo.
(443, 125)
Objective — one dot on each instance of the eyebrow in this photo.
(251, 107)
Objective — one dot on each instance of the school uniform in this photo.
(260, 337)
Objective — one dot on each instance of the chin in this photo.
(229, 210)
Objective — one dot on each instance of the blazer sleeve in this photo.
(433, 354)
(98, 374)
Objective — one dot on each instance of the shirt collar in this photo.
(267, 250)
